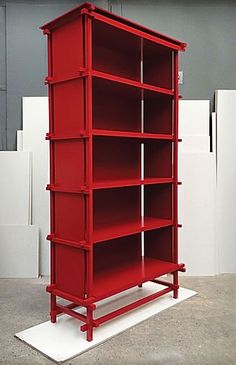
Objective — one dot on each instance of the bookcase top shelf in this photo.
(115, 20)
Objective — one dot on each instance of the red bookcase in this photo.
(113, 132)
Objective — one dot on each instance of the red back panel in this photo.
(115, 51)
(159, 244)
(158, 159)
(157, 113)
(158, 201)
(116, 106)
(116, 206)
(116, 158)
(157, 65)
(115, 253)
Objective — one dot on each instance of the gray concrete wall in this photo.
(208, 26)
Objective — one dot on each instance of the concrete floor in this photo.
(199, 331)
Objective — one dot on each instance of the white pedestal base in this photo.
(64, 340)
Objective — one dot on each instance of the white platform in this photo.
(64, 340)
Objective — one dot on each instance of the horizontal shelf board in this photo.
(109, 231)
(125, 134)
(112, 281)
(138, 84)
(106, 184)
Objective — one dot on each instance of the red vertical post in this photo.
(89, 168)
(175, 172)
(51, 149)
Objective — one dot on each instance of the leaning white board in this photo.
(19, 251)
(64, 340)
(15, 187)
(35, 127)
(197, 247)
(226, 179)
(194, 117)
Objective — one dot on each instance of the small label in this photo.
(180, 77)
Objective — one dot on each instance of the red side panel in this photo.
(70, 270)
(69, 166)
(68, 104)
(68, 49)
(70, 216)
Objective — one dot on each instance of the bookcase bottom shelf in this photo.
(114, 280)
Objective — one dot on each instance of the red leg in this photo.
(175, 282)
(89, 324)
(53, 309)
(140, 285)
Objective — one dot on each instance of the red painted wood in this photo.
(96, 132)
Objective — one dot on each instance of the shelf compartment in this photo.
(158, 159)
(116, 106)
(115, 51)
(158, 244)
(113, 208)
(125, 134)
(158, 113)
(107, 231)
(157, 64)
(106, 184)
(115, 279)
(115, 159)
(158, 201)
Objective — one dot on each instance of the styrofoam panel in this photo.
(15, 187)
(194, 117)
(197, 247)
(19, 138)
(226, 179)
(19, 251)
(63, 340)
(195, 144)
(35, 127)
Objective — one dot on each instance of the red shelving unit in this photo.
(113, 132)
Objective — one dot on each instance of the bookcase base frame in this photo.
(89, 304)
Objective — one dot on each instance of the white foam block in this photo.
(19, 251)
(14, 187)
(64, 340)
(35, 127)
(197, 247)
(195, 144)
(194, 117)
(226, 178)
(19, 139)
